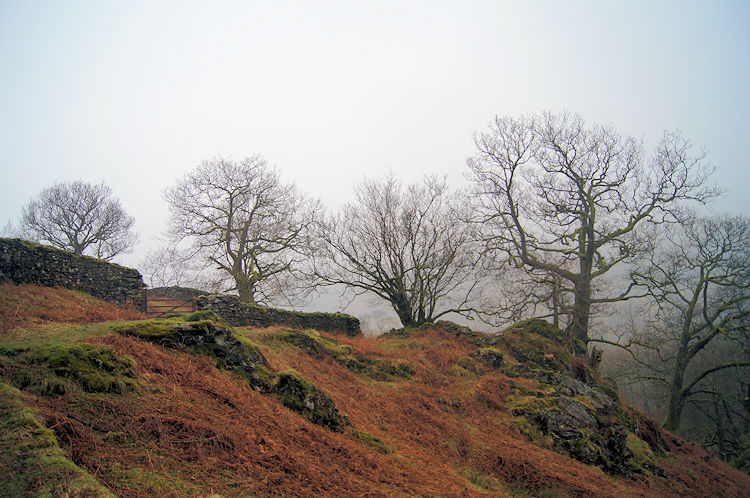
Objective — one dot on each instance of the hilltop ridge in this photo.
(189, 406)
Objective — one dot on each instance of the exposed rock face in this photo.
(25, 262)
(239, 314)
(566, 422)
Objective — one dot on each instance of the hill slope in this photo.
(187, 406)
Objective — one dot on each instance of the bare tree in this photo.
(81, 218)
(170, 265)
(699, 285)
(568, 201)
(10, 230)
(239, 218)
(411, 248)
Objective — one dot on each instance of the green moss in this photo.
(313, 343)
(32, 461)
(149, 483)
(586, 449)
(197, 316)
(372, 441)
(539, 327)
(155, 328)
(57, 369)
(297, 394)
(534, 434)
(643, 457)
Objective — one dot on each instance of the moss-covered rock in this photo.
(57, 369)
(584, 424)
(304, 397)
(489, 356)
(203, 333)
(573, 411)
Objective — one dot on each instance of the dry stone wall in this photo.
(240, 314)
(176, 292)
(29, 263)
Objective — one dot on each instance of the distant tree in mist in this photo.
(81, 218)
(569, 202)
(410, 247)
(11, 230)
(698, 281)
(239, 218)
(684, 353)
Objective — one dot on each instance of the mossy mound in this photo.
(378, 368)
(320, 346)
(33, 462)
(313, 343)
(58, 369)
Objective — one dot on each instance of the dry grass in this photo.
(191, 429)
(28, 305)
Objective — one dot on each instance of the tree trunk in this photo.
(403, 309)
(245, 288)
(719, 422)
(555, 303)
(676, 398)
(579, 326)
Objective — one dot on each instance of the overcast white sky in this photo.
(136, 93)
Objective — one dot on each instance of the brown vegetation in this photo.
(192, 429)
(28, 305)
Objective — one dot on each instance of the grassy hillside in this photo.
(187, 406)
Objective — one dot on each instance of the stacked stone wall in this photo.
(240, 314)
(176, 292)
(24, 262)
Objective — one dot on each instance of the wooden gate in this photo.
(163, 306)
